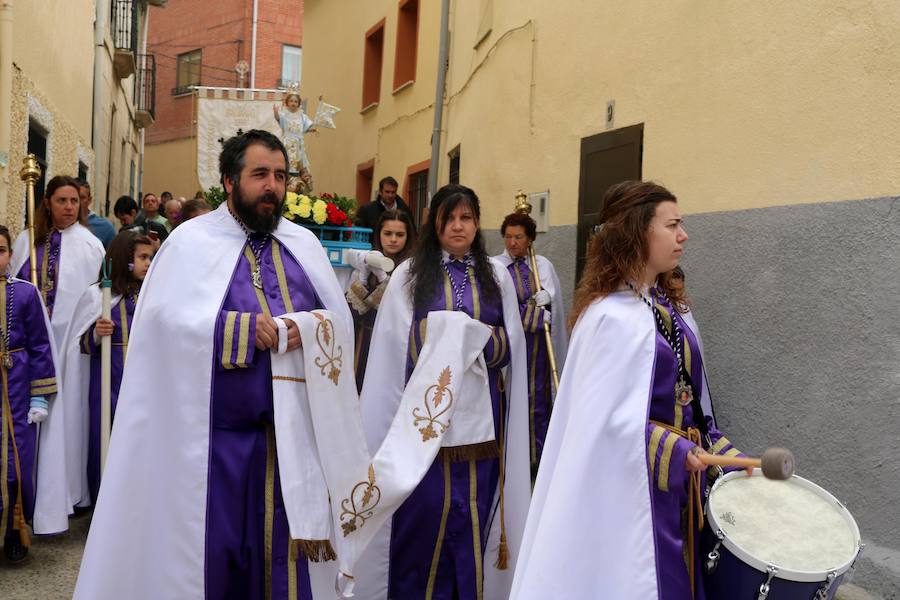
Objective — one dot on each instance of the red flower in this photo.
(326, 196)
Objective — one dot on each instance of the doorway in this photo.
(607, 158)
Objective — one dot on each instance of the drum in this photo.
(775, 540)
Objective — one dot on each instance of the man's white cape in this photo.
(590, 527)
(51, 506)
(80, 257)
(148, 534)
(382, 390)
(550, 282)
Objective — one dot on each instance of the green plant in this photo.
(215, 196)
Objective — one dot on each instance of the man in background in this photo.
(102, 228)
(388, 199)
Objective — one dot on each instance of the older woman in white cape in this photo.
(68, 260)
(458, 533)
(619, 466)
(536, 308)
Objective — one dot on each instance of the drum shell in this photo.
(733, 579)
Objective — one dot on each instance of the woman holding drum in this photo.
(617, 505)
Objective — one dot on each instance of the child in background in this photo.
(394, 237)
(28, 388)
(129, 255)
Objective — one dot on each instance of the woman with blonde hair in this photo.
(617, 504)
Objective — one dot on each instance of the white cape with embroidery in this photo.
(590, 528)
(549, 282)
(381, 396)
(80, 257)
(148, 534)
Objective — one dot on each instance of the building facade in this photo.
(78, 105)
(775, 125)
(241, 44)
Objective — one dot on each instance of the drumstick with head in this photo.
(776, 463)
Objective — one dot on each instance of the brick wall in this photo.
(224, 34)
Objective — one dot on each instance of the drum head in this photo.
(794, 525)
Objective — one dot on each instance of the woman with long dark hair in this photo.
(394, 237)
(68, 257)
(618, 500)
(460, 529)
(129, 256)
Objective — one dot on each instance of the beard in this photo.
(248, 210)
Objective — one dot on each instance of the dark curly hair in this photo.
(522, 220)
(426, 272)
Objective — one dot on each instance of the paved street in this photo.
(53, 566)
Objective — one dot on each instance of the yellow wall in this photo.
(53, 83)
(164, 168)
(54, 45)
(396, 133)
(744, 104)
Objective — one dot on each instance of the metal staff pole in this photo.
(524, 206)
(105, 367)
(30, 173)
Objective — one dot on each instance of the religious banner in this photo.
(224, 114)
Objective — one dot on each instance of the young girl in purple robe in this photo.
(394, 236)
(129, 255)
(28, 386)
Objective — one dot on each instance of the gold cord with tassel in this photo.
(503, 549)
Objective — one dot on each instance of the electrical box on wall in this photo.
(540, 209)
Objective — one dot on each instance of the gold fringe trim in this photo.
(470, 452)
(373, 300)
(314, 550)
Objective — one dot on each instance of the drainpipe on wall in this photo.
(139, 184)
(439, 100)
(253, 45)
(6, 64)
(100, 24)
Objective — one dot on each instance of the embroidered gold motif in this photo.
(368, 496)
(435, 395)
(333, 357)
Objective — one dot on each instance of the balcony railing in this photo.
(123, 26)
(145, 90)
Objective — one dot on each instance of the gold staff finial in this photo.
(31, 171)
(522, 203)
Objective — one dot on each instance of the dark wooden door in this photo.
(606, 159)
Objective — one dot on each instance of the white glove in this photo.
(542, 298)
(378, 261)
(37, 415)
(547, 317)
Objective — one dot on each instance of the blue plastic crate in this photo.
(336, 240)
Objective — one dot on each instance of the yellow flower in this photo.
(304, 210)
(304, 199)
(319, 212)
(292, 199)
